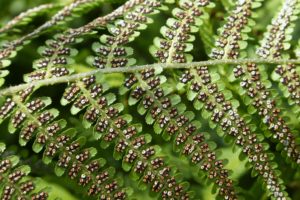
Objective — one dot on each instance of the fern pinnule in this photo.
(3, 74)
(35, 122)
(232, 36)
(254, 83)
(111, 52)
(278, 34)
(289, 79)
(56, 55)
(177, 36)
(14, 180)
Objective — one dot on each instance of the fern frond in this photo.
(137, 156)
(169, 117)
(220, 175)
(114, 128)
(34, 121)
(26, 17)
(287, 75)
(14, 180)
(150, 121)
(10, 49)
(59, 52)
(208, 94)
(220, 109)
(255, 84)
(177, 121)
(142, 163)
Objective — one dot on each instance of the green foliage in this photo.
(15, 182)
(103, 122)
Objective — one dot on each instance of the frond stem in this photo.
(65, 79)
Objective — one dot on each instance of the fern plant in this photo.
(174, 99)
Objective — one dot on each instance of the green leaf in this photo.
(59, 171)
(126, 166)
(25, 169)
(157, 128)
(2, 147)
